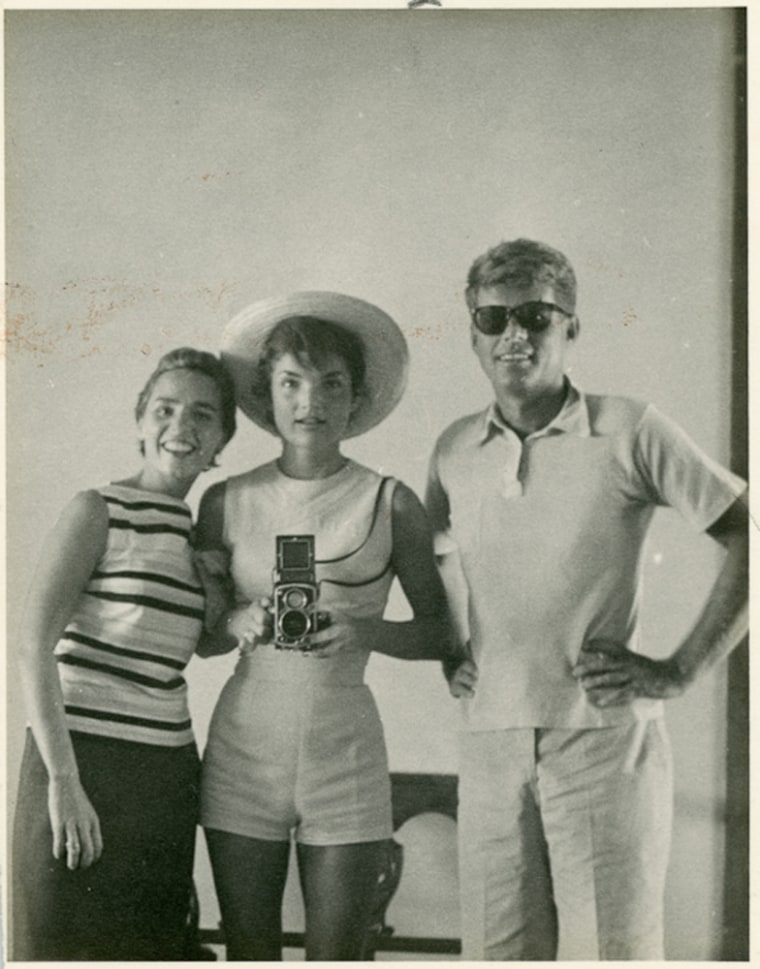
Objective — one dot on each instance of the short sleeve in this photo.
(676, 473)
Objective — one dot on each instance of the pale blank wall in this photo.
(165, 167)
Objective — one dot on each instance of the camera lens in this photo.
(295, 599)
(294, 624)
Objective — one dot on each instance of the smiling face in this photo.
(312, 405)
(180, 431)
(520, 363)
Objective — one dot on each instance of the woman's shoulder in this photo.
(387, 490)
(370, 475)
(261, 474)
(377, 479)
(247, 490)
(405, 502)
(90, 503)
(84, 519)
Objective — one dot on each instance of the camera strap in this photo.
(342, 558)
(360, 546)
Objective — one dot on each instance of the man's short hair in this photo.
(522, 263)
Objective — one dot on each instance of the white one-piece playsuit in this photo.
(296, 744)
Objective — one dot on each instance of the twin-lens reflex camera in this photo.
(296, 593)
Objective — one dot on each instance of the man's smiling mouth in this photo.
(515, 355)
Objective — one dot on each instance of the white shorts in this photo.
(296, 757)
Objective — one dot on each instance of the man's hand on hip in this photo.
(611, 675)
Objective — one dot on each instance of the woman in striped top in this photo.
(107, 806)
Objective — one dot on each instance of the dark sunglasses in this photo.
(534, 317)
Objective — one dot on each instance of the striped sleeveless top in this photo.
(136, 625)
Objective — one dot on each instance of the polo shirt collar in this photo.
(572, 418)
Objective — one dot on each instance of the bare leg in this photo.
(339, 885)
(249, 876)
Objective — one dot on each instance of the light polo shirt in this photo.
(549, 534)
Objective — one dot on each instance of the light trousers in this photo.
(564, 838)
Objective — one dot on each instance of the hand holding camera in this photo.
(251, 625)
(298, 622)
(341, 632)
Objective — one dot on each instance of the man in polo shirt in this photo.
(541, 505)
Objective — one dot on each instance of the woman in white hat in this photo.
(296, 745)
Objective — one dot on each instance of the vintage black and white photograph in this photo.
(376, 480)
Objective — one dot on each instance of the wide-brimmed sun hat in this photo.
(386, 355)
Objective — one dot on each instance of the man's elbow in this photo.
(731, 530)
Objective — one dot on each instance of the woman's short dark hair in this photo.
(187, 358)
(522, 263)
(310, 340)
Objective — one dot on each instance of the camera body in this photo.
(295, 593)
